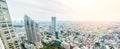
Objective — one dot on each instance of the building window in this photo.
(2, 18)
(11, 45)
(4, 25)
(6, 32)
(3, 4)
(8, 19)
(16, 42)
(11, 30)
(4, 8)
(8, 38)
(6, 12)
(13, 36)
(1, 12)
(10, 25)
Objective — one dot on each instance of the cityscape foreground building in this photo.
(7, 34)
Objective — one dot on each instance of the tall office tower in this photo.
(50, 30)
(37, 32)
(7, 33)
(28, 28)
(32, 30)
(56, 35)
(53, 24)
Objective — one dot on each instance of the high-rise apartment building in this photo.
(32, 31)
(53, 24)
(27, 22)
(7, 34)
(50, 29)
(1, 44)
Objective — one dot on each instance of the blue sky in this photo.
(66, 10)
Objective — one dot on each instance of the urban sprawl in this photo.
(31, 34)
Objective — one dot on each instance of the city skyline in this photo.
(75, 31)
(72, 10)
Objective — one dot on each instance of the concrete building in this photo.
(53, 24)
(7, 33)
(27, 22)
(56, 35)
(32, 31)
(50, 29)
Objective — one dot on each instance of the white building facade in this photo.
(7, 33)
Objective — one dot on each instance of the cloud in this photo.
(73, 10)
(34, 8)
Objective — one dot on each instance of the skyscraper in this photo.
(27, 22)
(7, 33)
(53, 24)
(32, 31)
(56, 35)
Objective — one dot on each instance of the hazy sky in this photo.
(66, 10)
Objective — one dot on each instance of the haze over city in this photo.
(59, 24)
(66, 10)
